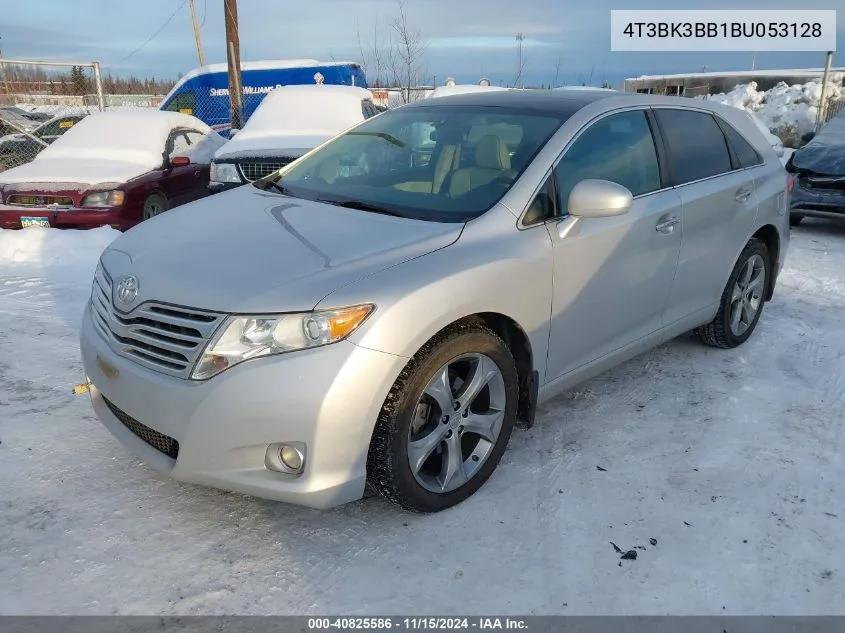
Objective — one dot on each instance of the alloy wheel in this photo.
(456, 422)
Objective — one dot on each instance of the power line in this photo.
(153, 36)
(202, 23)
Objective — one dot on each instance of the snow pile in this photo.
(113, 146)
(299, 117)
(788, 111)
(72, 250)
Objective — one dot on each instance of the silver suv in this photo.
(374, 313)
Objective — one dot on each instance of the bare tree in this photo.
(373, 56)
(407, 52)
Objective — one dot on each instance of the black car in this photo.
(819, 172)
(19, 149)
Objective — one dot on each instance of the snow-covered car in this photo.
(819, 172)
(19, 149)
(290, 121)
(461, 89)
(14, 119)
(112, 168)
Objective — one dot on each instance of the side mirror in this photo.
(599, 199)
(180, 161)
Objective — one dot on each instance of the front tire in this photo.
(154, 205)
(446, 422)
(742, 300)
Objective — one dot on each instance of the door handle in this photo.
(742, 195)
(667, 225)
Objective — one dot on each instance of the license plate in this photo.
(25, 222)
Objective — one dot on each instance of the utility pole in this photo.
(520, 38)
(196, 32)
(233, 56)
(754, 60)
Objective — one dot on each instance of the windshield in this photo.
(442, 163)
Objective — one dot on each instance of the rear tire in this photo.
(154, 205)
(795, 219)
(426, 458)
(742, 300)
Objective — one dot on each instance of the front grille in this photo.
(159, 441)
(18, 200)
(165, 338)
(252, 171)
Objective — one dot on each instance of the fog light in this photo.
(286, 458)
(291, 458)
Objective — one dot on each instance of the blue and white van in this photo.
(204, 91)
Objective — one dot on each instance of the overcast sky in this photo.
(467, 39)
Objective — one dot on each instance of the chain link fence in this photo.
(833, 108)
(40, 101)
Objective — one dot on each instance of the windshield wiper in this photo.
(387, 137)
(273, 183)
(364, 206)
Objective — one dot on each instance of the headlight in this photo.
(244, 337)
(224, 172)
(104, 199)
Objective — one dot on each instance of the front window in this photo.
(440, 163)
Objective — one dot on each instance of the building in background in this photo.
(695, 84)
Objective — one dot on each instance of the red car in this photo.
(114, 168)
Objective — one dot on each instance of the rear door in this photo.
(719, 205)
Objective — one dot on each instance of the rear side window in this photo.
(618, 148)
(746, 155)
(184, 102)
(697, 147)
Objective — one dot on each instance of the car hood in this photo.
(251, 251)
(825, 154)
(274, 145)
(87, 172)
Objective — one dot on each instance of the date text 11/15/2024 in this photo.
(416, 624)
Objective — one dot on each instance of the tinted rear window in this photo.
(697, 147)
(745, 152)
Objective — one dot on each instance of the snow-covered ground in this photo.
(723, 470)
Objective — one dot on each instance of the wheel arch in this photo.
(769, 235)
(519, 345)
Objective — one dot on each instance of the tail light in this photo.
(790, 182)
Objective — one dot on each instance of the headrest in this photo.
(492, 153)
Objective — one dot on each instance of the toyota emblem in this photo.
(127, 289)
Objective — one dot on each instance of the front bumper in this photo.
(328, 398)
(817, 202)
(73, 218)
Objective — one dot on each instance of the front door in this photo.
(612, 275)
